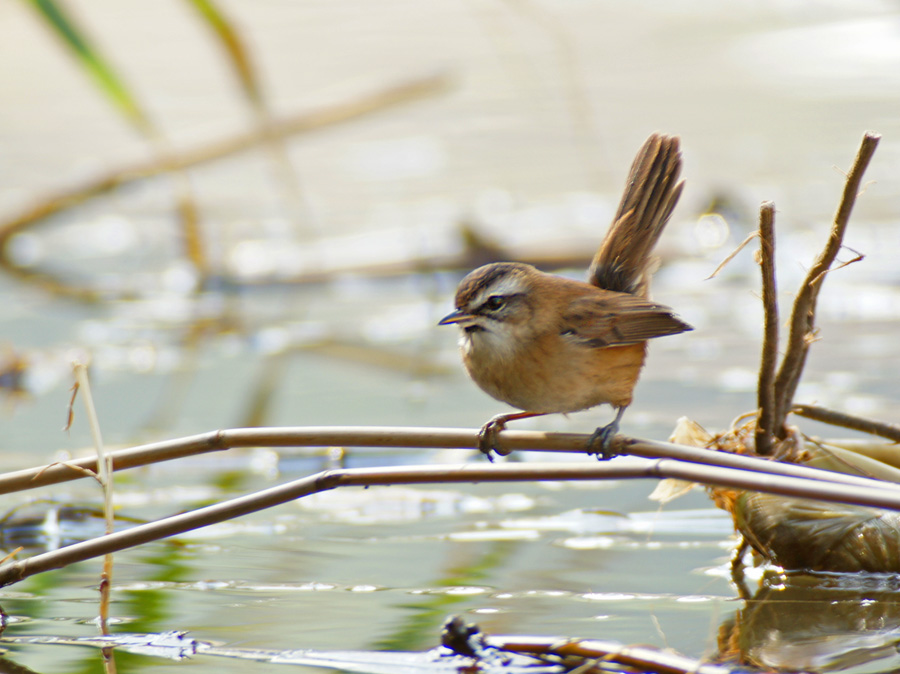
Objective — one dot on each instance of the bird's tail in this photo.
(624, 261)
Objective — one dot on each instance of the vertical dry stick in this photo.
(186, 210)
(804, 312)
(765, 425)
(104, 464)
(189, 221)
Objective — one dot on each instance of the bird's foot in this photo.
(488, 437)
(600, 443)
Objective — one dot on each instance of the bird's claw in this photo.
(488, 437)
(600, 444)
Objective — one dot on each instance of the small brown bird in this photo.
(547, 344)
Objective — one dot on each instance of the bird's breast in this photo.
(551, 373)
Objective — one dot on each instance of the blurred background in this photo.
(254, 213)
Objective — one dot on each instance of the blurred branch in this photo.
(304, 122)
(231, 41)
(115, 89)
(229, 37)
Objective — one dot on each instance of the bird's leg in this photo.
(487, 436)
(600, 443)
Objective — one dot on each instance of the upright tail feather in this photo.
(624, 262)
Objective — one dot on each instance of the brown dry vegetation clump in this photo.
(791, 532)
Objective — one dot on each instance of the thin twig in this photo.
(879, 428)
(765, 426)
(12, 554)
(731, 255)
(82, 471)
(859, 258)
(803, 315)
(402, 437)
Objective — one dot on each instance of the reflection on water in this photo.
(522, 157)
(827, 622)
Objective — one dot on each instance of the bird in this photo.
(548, 344)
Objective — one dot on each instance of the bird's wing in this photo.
(617, 319)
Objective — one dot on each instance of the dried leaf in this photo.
(70, 410)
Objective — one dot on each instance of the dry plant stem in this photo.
(652, 449)
(732, 255)
(881, 429)
(105, 472)
(109, 660)
(104, 464)
(803, 316)
(465, 473)
(304, 122)
(641, 658)
(185, 204)
(189, 223)
(403, 437)
(765, 425)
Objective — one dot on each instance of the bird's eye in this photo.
(494, 302)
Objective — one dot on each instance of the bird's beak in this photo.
(458, 316)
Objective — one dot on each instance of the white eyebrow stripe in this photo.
(505, 285)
